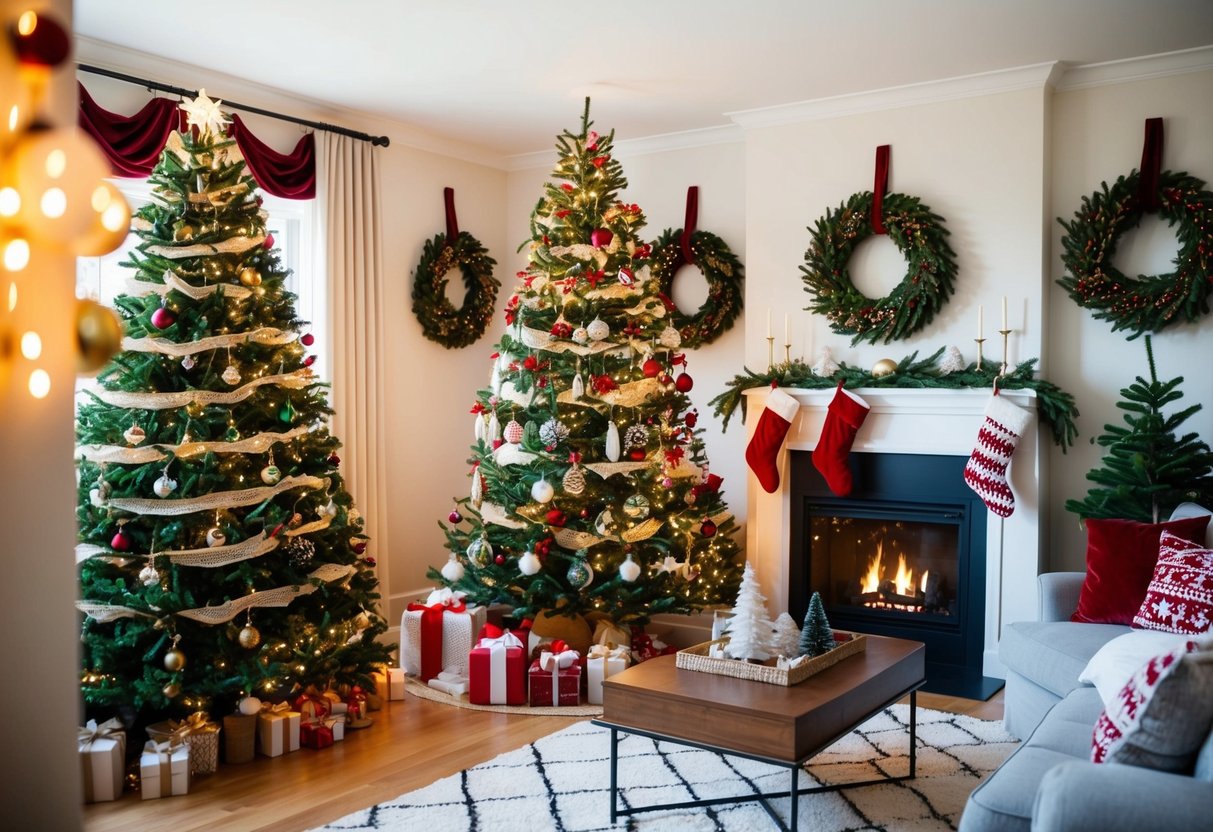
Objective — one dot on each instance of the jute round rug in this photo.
(560, 783)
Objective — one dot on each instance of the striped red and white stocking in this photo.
(986, 470)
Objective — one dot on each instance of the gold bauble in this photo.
(250, 276)
(98, 336)
(172, 690)
(249, 637)
(183, 233)
(362, 621)
(174, 660)
(884, 367)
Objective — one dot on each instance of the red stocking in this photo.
(846, 413)
(986, 470)
(762, 453)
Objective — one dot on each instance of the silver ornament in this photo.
(637, 436)
(636, 507)
(148, 575)
(188, 363)
(134, 435)
(580, 575)
(215, 537)
(552, 433)
(164, 486)
(581, 336)
(670, 337)
(480, 551)
(270, 475)
(231, 375)
(597, 330)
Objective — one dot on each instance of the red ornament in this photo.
(691, 418)
(309, 361)
(369, 561)
(708, 529)
(455, 517)
(665, 378)
(555, 517)
(120, 542)
(499, 560)
(269, 241)
(307, 339)
(360, 546)
(684, 383)
(38, 40)
(585, 512)
(334, 459)
(651, 368)
(163, 318)
(601, 237)
(636, 454)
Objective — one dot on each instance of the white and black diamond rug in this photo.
(560, 783)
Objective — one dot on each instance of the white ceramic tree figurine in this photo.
(787, 636)
(750, 630)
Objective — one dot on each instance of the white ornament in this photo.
(597, 330)
(952, 361)
(670, 337)
(330, 509)
(149, 576)
(164, 486)
(215, 537)
(203, 113)
(95, 498)
(629, 570)
(188, 363)
(478, 428)
(529, 564)
(231, 375)
(270, 475)
(495, 377)
(613, 450)
(249, 705)
(826, 366)
(452, 570)
(477, 494)
(581, 336)
(552, 433)
(494, 431)
(134, 435)
(542, 491)
(578, 387)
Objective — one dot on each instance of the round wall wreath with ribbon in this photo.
(723, 273)
(1146, 303)
(930, 274)
(440, 320)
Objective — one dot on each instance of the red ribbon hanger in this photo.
(879, 188)
(1151, 165)
(689, 224)
(452, 224)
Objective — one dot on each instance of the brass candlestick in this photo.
(1004, 333)
(770, 351)
(787, 354)
(980, 367)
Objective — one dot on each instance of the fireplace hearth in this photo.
(903, 555)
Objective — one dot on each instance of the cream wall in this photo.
(1097, 136)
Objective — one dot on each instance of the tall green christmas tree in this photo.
(220, 554)
(590, 491)
(1148, 470)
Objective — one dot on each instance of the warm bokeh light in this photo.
(39, 384)
(31, 345)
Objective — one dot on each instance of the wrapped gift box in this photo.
(603, 661)
(316, 734)
(164, 770)
(199, 733)
(278, 729)
(555, 677)
(336, 724)
(438, 634)
(395, 683)
(102, 757)
(312, 706)
(453, 682)
(497, 669)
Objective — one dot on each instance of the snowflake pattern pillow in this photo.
(1180, 597)
(1162, 715)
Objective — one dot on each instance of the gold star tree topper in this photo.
(205, 114)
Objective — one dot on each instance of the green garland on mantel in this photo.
(1056, 407)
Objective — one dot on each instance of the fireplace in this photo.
(902, 555)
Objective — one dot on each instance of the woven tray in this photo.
(697, 658)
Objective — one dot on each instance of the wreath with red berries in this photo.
(440, 320)
(723, 273)
(1146, 303)
(930, 274)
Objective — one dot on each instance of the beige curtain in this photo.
(348, 220)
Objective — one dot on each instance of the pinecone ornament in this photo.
(574, 481)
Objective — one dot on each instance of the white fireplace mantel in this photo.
(925, 421)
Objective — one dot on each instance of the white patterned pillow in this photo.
(1180, 596)
(1162, 716)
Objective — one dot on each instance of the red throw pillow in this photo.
(1120, 563)
(1180, 596)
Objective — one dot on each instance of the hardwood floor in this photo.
(412, 743)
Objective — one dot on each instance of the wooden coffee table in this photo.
(783, 726)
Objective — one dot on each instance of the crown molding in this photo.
(660, 143)
(1033, 76)
(1199, 59)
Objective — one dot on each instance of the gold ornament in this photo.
(362, 621)
(884, 367)
(172, 690)
(98, 336)
(183, 233)
(174, 660)
(250, 637)
(250, 276)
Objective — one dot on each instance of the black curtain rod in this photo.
(378, 141)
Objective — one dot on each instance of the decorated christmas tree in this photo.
(751, 631)
(816, 637)
(220, 554)
(1148, 470)
(590, 493)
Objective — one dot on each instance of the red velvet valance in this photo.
(133, 144)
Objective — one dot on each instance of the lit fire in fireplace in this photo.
(899, 592)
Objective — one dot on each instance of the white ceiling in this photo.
(507, 75)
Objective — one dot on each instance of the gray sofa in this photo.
(1048, 784)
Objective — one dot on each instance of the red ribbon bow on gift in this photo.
(440, 601)
(559, 657)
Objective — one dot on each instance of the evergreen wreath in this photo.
(930, 274)
(1146, 303)
(440, 320)
(721, 269)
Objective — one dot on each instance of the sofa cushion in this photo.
(1180, 596)
(1161, 717)
(1120, 563)
(1204, 761)
(1116, 662)
(1053, 653)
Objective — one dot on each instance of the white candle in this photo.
(786, 332)
(768, 322)
(979, 320)
(1004, 311)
